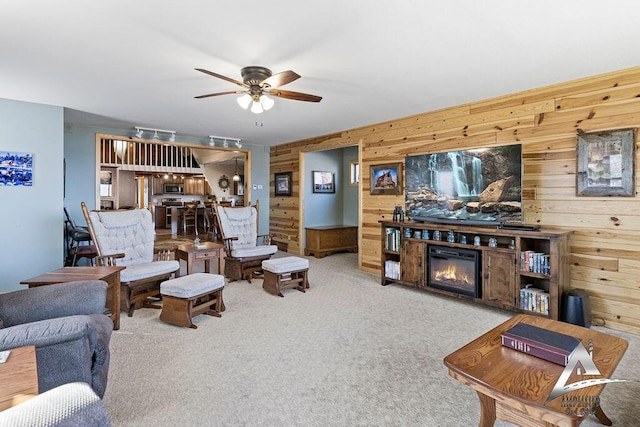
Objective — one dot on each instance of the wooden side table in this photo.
(18, 377)
(514, 387)
(111, 275)
(205, 251)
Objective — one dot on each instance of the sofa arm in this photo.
(45, 332)
(59, 300)
(73, 404)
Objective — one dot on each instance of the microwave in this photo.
(173, 189)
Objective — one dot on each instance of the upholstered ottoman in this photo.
(288, 272)
(190, 295)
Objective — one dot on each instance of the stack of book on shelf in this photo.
(534, 262)
(392, 269)
(543, 343)
(393, 239)
(534, 299)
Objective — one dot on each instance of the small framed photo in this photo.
(605, 163)
(283, 183)
(386, 179)
(323, 182)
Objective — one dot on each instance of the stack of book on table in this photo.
(543, 343)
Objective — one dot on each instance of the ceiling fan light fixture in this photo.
(256, 108)
(266, 102)
(244, 101)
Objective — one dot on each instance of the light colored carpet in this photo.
(349, 352)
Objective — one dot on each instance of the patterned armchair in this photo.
(126, 238)
(239, 230)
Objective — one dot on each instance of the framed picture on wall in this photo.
(386, 179)
(605, 163)
(16, 169)
(283, 183)
(323, 182)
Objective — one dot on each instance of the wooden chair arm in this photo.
(108, 260)
(266, 239)
(163, 255)
(227, 244)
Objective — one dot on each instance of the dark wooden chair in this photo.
(245, 248)
(78, 242)
(189, 217)
(126, 238)
(211, 223)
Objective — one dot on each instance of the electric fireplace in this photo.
(454, 270)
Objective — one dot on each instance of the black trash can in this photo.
(576, 308)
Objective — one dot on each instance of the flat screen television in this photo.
(480, 186)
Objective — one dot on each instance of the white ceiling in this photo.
(123, 63)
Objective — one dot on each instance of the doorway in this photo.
(326, 208)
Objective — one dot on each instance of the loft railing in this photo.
(148, 156)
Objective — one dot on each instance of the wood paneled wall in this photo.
(605, 245)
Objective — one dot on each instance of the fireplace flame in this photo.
(450, 274)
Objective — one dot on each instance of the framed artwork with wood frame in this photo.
(386, 179)
(606, 163)
(282, 183)
(323, 182)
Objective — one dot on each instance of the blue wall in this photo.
(323, 208)
(32, 229)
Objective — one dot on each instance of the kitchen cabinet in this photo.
(197, 185)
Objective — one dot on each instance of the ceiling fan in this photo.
(260, 81)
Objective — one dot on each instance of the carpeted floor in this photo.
(349, 352)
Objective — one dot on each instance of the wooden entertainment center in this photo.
(523, 270)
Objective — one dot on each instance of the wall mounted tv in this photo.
(480, 186)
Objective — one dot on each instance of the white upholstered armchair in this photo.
(126, 238)
(239, 229)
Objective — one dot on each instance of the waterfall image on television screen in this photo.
(480, 185)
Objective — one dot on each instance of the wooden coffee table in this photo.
(206, 251)
(111, 275)
(514, 387)
(19, 377)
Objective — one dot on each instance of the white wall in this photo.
(31, 218)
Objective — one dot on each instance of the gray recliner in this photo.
(67, 325)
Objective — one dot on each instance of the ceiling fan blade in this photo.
(220, 76)
(220, 93)
(293, 95)
(280, 79)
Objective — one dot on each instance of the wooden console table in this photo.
(514, 387)
(111, 275)
(324, 240)
(19, 377)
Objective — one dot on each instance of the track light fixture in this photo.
(224, 141)
(140, 133)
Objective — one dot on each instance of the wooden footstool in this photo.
(287, 272)
(190, 295)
